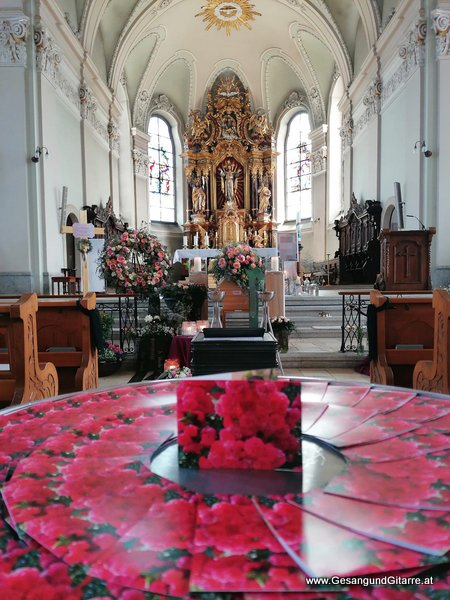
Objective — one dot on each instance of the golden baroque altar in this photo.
(229, 167)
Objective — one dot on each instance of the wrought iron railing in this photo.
(127, 312)
(354, 313)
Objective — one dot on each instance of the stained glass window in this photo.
(161, 171)
(298, 168)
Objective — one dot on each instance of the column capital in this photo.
(441, 27)
(14, 29)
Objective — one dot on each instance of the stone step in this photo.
(311, 360)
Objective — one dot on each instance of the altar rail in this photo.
(354, 314)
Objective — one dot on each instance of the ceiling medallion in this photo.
(228, 15)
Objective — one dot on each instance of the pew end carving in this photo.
(433, 375)
(26, 379)
(404, 336)
(64, 336)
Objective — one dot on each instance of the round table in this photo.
(95, 506)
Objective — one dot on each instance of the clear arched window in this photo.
(298, 168)
(161, 171)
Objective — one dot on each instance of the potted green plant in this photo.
(155, 336)
(185, 299)
(282, 328)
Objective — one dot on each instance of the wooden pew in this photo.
(433, 375)
(64, 338)
(26, 380)
(409, 321)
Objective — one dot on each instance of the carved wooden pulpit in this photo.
(405, 259)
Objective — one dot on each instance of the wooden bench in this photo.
(409, 321)
(64, 338)
(433, 375)
(24, 379)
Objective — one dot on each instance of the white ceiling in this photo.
(161, 47)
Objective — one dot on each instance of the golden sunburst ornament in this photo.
(228, 15)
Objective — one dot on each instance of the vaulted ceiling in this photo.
(161, 48)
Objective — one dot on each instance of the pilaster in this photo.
(140, 169)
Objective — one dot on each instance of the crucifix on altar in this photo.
(83, 232)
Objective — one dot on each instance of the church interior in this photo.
(255, 194)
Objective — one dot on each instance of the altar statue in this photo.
(229, 181)
(198, 197)
(264, 195)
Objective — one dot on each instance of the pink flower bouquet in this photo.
(234, 263)
(251, 424)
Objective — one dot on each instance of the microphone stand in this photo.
(418, 220)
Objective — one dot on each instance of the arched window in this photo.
(161, 171)
(298, 168)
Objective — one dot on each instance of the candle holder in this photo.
(188, 328)
(171, 363)
(201, 325)
(265, 297)
(216, 297)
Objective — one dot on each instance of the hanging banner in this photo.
(288, 245)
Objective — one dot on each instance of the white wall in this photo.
(96, 167)
(62, 167)
(365, 163)
(400, 129)
(16, 149)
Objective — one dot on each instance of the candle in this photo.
(201, 325)
(197, 264)
(196, 240)
(185, 241)
(274, 263)
(206, 240)
(188, 328)
(171, 363)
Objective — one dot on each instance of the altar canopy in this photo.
(229, 166)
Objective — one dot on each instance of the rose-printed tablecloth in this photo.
(85, 517)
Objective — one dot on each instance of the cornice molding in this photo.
(411, 51)
(50, 64)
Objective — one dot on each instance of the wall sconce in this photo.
(419, 144)
(37, 154)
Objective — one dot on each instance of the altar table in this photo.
(92, 511)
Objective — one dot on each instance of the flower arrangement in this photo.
(111, 353)
(251, 424)
(155, 326)
(282, 324)
(178, 373)
(134, 261)
(235, 262)
(185, 299)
